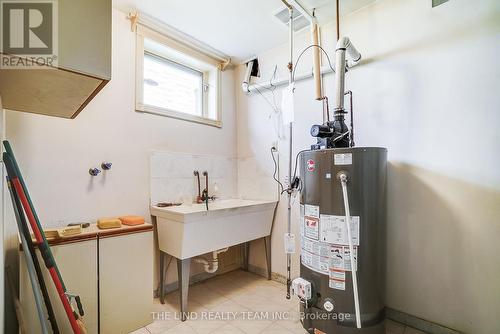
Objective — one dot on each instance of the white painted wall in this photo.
(55, 154)
(428, 91)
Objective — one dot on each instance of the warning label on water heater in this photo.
(341, 159)
(311, 210)
(315, 247)
(337, 280)
(325, 244)
(341, 258)
(333, 230)
(311, 227)
(311, 221)
(320, 264)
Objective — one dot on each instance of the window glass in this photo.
(172, 86)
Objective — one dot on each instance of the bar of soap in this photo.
(105, 223)
(50, 234)
(132, 220)
(70, 230)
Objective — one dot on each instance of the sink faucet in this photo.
(198, 198)
(204, 194)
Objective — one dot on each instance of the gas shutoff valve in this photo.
(302, 288)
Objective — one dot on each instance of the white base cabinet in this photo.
(125, 282)
(111, 271)
(77, 263)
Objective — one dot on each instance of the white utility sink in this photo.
(187, 231)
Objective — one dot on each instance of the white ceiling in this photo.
(238, 28)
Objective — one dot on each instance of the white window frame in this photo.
(176, 52)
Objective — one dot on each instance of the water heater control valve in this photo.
(302, 288)
(328, 305)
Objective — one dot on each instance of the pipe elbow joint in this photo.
(344, 43)
(342, 176)
(245, 87)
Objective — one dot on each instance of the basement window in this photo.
(174, 80)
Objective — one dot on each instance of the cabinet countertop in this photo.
(93, 232)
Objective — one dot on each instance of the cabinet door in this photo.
(77, 263)
(85, 36)
(125, 282)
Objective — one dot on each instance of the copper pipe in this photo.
(287, 4)
(197, 174)
(338, 20)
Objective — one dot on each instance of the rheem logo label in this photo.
(311, 165)
(28, 34)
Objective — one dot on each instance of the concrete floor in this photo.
(249, 304)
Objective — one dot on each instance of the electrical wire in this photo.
(273, 104)
(274, 107)
(290, 189)
(273, 149)
(280, 185)
(272, 89)
(302, 53)
(276, 114)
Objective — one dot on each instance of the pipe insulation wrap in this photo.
(352, 52)
(316, 61)
(344, 46)
(354, 56)
(340, 67)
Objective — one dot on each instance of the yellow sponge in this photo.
(132, 220)
(105, 223)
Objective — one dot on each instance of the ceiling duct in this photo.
(299, 20)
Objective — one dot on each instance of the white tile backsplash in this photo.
(172, 175)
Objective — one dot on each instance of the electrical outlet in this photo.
(275, 145)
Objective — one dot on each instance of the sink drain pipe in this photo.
(211, 266)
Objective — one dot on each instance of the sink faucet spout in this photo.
(198, 198)
(204, 196)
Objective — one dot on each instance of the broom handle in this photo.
(17, 171)
(24, 230)
(30, 267)
(43, 245)
(50, 263)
